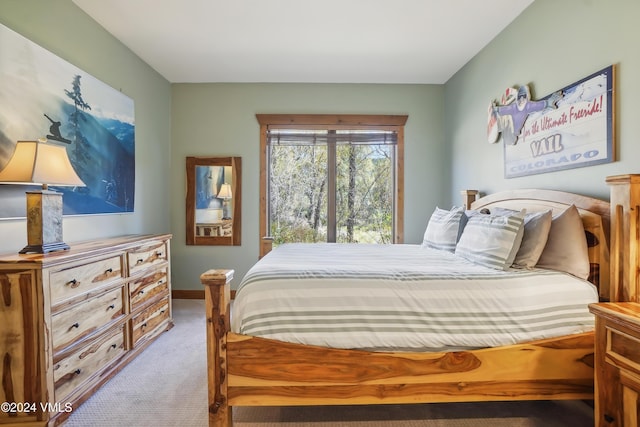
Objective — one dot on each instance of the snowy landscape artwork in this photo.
(43, 96)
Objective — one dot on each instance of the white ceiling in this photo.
(321, 41)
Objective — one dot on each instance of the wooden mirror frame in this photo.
(211, 233)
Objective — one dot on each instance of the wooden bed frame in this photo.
(251, 371)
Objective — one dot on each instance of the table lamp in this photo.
(38, 162)
(225, 195)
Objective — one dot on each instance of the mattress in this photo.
(403, 298)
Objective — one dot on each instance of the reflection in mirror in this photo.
(213, 192)
(213, 201)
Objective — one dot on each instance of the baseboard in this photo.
(187, 294)
(192, 294)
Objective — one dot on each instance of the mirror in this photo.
(213, 201)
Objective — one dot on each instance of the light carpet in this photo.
(166, 385)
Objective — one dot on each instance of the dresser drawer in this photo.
(73, 371)
(149, 319)
(624, 349)
(71, 282)
(148, 255)
(84, 319)
(148, 287)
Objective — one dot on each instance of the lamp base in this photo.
(46, 248)
(44, 222)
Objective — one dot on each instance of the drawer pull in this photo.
(108, 270)
(161, 311)
(73, 283)
(77, 371)
(144, 325)
(159, 253)
(140, 292)
(75, 325)
(114, 345)
(608, 418)
(111, 307)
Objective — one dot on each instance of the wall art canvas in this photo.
(44, 96)
(570, 128)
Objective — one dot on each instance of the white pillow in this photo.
(492, 240)
(566, 248)
(473, 212)
(444, 228)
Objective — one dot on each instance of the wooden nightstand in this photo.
(617, 364)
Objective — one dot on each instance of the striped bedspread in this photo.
(403, 297)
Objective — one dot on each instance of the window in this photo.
(331, 178)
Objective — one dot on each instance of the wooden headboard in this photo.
(595, 215)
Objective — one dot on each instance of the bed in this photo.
(283, 368)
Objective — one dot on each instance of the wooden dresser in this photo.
(617, 364)
(70, 320)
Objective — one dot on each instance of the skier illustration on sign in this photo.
(511, 118)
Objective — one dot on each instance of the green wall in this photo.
(551, 45)
(63, 29)
(219, 120)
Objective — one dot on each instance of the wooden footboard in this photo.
(263, 372)
(249, 371)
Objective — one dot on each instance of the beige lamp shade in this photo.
(37, 162)
(225, 191)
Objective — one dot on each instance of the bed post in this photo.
(468, 197)
(217, 291)
(625, 227)
(266, 244)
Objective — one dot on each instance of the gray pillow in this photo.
(536, 232)
(566, 248)
(444, 228)
(492, 240)
(534, 239)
